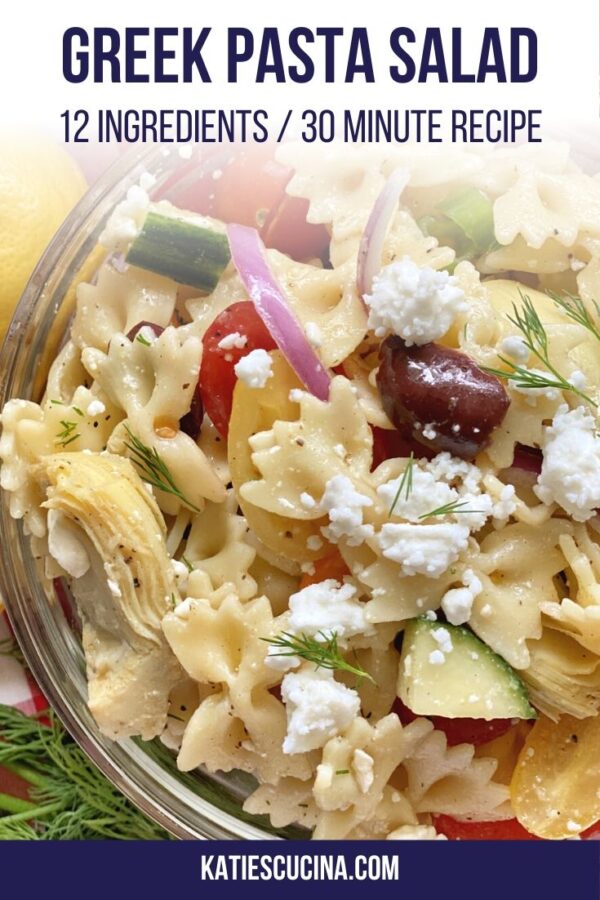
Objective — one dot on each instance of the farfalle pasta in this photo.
(326, 494)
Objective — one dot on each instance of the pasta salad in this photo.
(319, 462)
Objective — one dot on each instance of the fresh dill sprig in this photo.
(535, 339)
(406, 483)
(187, 563)
(66, 436)
(450, 509)
(342, 771)
(324, 654)
(69, 799)
(576, 310)
(140, 337)
(57, 403)
(154, 470)
(77, 410)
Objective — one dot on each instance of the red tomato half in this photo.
(217, 376)
(506, 830)
(458, 731)
(332, 566)
(286, 229)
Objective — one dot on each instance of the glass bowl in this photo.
(192, 805)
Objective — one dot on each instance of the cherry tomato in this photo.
(287, 230)
(505, 830)
(217, 376)
(458, 731)
(331, 566)
(508, 830)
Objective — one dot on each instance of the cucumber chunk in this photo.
(187, 253)
(468, 681)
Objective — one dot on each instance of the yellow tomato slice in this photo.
(555, 787)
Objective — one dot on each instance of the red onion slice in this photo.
(529, 459)
(248, 254)
(372, 241)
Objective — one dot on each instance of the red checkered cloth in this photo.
(17, 687)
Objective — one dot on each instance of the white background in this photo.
(34, 91)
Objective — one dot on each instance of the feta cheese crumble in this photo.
(181, 573)
(516, 348)
(427, 493)
(235, 339)
(65, 544)
(344, 506)
(533, 394)
(505, 506)
(457, 603)
(416, 833)
(362, 768)
(96, 408)
(443, 639)
(570, 473)
(281, 663)
(255, 369)
(423, 549)
(320, 609)
(313, 333)
(318, 708)
(127, 219)
(415, 302)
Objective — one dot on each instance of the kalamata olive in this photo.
(443, 389)
(133, 332)
(191, 423)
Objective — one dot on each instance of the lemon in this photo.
(39, 185)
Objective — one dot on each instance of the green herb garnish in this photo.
(154, 470)
(69, 799)
(66, 436)
(140, 337)
(77, 410)
(342, 771)
(406, 483)
(324, 655)
(535, 339)
(450, 509)
(187, 563)
(575, 309)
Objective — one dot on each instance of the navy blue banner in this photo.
(403, 870)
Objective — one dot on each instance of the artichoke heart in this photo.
(124, 594)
